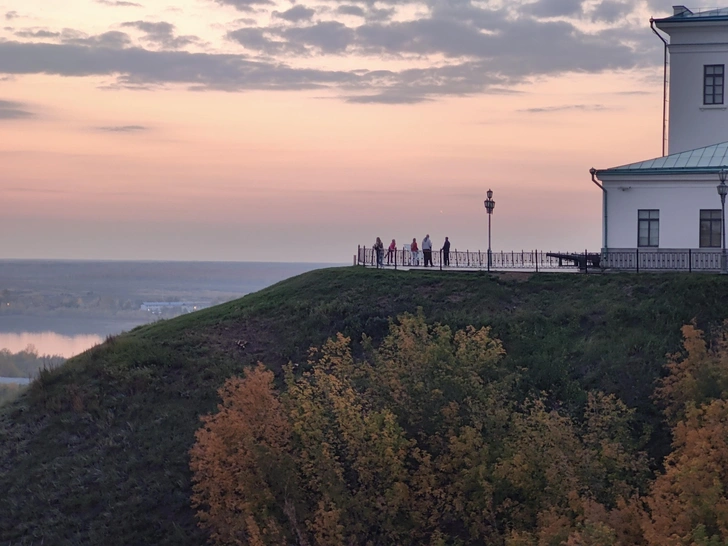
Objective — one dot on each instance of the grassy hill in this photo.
(96, 451)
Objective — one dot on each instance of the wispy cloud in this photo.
(161, 33)
(566, 107)
(10, 15)
(123, 128)
(119, 3)
(14, 110)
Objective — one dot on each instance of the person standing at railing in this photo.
(446, 253)
(427, 250)
(415, 251)
(379, 250)
(390, 251)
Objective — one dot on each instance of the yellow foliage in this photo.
(422, 442)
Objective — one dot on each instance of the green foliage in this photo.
(27, 362)
(9, 392)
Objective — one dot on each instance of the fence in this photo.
(688, 260)
(635, 260)
(531, 260)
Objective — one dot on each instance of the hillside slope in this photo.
(97, 451)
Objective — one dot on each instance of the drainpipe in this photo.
(664, 86)
(593, 173)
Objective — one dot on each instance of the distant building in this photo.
(178, 307)
(670, 203)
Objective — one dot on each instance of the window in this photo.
(648, 233)
(709, 228)
(713, 83)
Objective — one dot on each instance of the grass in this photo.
(95, 452)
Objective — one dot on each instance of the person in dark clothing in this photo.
(379, 251)
(427, 250)
(446, 252)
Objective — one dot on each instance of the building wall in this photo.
(691, 123)
(679, 203)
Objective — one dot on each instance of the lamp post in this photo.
(722, 191)
(489, 206)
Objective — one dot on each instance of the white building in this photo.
(668, 208)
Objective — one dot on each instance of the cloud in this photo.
(135, 66)
(553, 109)
(326, 36)
(108, 40)
(119, 3)
(162, 34)
(460, 48)
(258, 39)
(295, 14)
(13, 110)
(383, 14)
(37, 34)
(611, 10)
(123, 128)
(10, 15)
(245, 5)
(349, 9)
(554, 8)
(386, 98)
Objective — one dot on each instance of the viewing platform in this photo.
(634, 260)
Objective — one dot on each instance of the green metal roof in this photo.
(720, 14)
(707, 160)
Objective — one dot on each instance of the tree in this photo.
(240, 463)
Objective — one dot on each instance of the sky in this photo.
(270, 130)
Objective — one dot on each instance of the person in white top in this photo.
(427, 249)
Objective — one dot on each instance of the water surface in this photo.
(49, 343)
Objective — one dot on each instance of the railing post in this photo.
(586, 262)
(536, 260)
(690, 260)
(395, 259)
(637, 259)
(440, 259)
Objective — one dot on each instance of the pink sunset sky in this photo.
(268, 130)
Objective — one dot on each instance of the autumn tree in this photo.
(241, 462)
(426, 439)
(688, 503)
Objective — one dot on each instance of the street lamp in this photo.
(722, 191)
(490, 205)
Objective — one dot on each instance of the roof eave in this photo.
(658, 172)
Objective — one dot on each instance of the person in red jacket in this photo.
(391, 250)
(415, 250)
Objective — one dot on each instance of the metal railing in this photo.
(688, 260)
(531, 260)
(635, 260)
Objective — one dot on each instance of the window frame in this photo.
(716, 218)
(709, 88)
(653, 228)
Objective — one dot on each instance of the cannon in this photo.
(580, 260)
